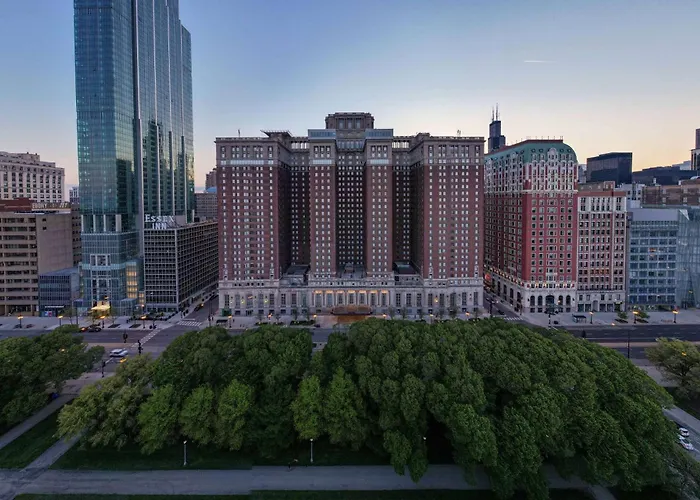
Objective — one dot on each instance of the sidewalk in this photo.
(42, 414)
(684, 317)
(227, 482)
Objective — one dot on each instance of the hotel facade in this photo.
(350, 217)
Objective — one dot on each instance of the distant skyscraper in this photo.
(133, 79)
(496, 139)
(210, 180)
(610, 167)
(74, 196)
(695, 153)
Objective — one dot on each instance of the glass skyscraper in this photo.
(133, 78)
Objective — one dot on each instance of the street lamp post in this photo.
(675, 316)
(60, 317)
(591, 317)
(184, 453)
(20, 317)
(634, 316)
(628, 344)
(312, 450)
(143, 322)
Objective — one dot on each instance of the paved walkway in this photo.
(42, 414)
(219, 482)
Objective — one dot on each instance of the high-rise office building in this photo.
(531, 225)
(133, 79)
(210, 179)
(25, 175)
(496, 139)
(602, 247)
(695, 152)
(615, 167)
(350, 217)
(74, 196)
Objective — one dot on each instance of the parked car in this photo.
(29, 325)
(682, 431)
(118, 353)
(685, 443)
(94, 328)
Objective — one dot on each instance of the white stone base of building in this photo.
(271, 297)
(533, 299)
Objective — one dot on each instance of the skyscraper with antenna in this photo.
(496, 139)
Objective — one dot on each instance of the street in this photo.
(637, 333)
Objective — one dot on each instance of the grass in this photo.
(27, 447)
(692, 406)
(27, 496)
(325, 495)
(130, 458)
(169, 458)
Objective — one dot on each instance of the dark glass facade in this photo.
(615, 167)
(133, 77)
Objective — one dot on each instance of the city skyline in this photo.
(577, 71)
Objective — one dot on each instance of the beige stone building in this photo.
(32, 242)
(24, 175)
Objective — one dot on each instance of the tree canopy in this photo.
(30, 367)
(679, 361)
(506, 398)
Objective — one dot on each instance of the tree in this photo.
(622, 315)
(440, 313)
(344, 412)
(29, 367)
(452, 312)
(107, 412)
(198, 416)
(197, 358)
(476, 312)
(157, 419)
(277, 316)
(679, 361)
(307, 409)
(260, 316)
(404, 312)
(642, 314)
(391, 311)
(295, 314)
(234, 403)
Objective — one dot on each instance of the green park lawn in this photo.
(323, 495)
(27, 448)
(692, 406)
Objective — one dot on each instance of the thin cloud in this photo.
(537, 61)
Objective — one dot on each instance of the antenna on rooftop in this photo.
(497, 115)
(239, 133)
(459, 133)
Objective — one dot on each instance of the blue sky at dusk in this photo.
(607, 75)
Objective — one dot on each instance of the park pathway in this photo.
(228, 482)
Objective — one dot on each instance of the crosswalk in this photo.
(190, 323)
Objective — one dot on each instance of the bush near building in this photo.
(505, 398)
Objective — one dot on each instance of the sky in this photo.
(607, 75)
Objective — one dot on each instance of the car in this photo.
(18, 326)
(682, 431)
(94, 328)
(685, 443)
(83, 328)
(118, 353)
(29, 325)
